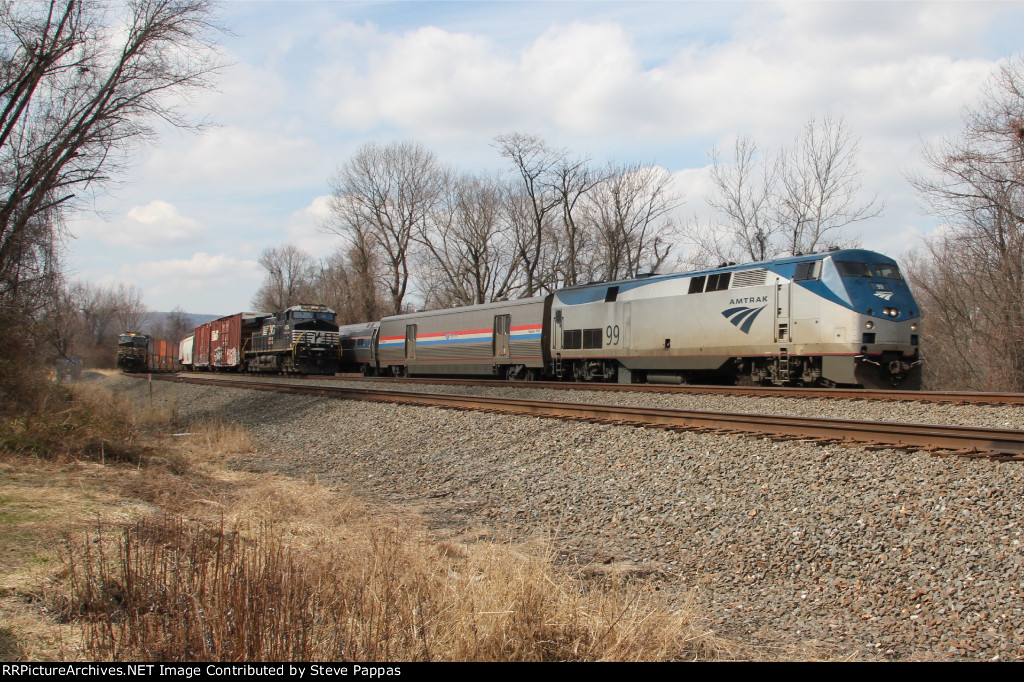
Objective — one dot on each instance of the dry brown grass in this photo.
(235, 566)
(167, 589)
(85, 422)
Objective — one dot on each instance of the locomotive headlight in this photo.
(891, 312)
(869, 324)
(913, 327)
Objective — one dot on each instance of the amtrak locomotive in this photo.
(845, 317)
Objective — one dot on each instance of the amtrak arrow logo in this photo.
(742, 317)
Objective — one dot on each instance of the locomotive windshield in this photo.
(887, 271)
(848, 269)
(880, 270)
(128, 340)
(305, 315)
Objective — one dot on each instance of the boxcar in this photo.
(220, 344)
(185, 351)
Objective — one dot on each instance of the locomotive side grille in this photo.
(749, 278)
(314, 338)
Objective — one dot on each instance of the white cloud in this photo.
(160, 221)
(606, 79)
(781, 64)
(238, 159)
(304, 228)
(197, 272)
(203, 283)
(155, 226)
(427, 79)
(245, 92)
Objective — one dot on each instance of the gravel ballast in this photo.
(849, 551)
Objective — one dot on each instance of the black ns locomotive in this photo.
(302, 339)
(132, 352)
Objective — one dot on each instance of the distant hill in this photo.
(157, 321)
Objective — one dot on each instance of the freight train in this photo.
(137, 352)
(845, 317)
(302, 339)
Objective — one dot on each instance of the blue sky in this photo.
(308, 83)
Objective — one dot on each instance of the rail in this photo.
(1003, 444)
(963, 397)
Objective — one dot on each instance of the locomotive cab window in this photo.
(887, 271)
(848, 269)
(697, 284)
(808, 270)
(613, 293)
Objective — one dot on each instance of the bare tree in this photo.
(971, 283)
(61, 325)
(744, 192)
(129, 311)
(574, 180)
(290, 272)
(800, 200)
(81, 84)
(363, 277)
(819, 180)
(384, 195)
(469, 254)
(631, 209)
(175, 326)
(345, 280)
(85, 320)
(530, 208)
(77, 93)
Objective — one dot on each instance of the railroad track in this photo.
(1002, 444)
(961, 397)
